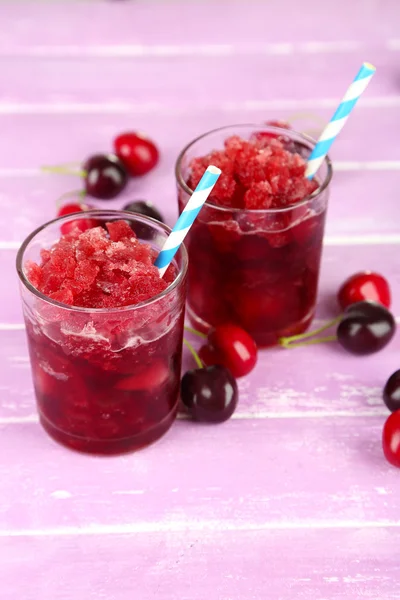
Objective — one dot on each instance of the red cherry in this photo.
(364, 286)
(80, 224)
(235, 348)
(391, 439)
(69, 209)
(137, 153)
(209, 356)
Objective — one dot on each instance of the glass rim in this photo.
(224, 209)
(97, 213)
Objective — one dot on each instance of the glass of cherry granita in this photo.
(104, 331)
(255, 247)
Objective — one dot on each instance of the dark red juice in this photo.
(256, 245)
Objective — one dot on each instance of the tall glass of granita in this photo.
(104, 331)
(255, 247)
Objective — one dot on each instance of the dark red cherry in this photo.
(235, 348)
(143, 231)
(391, 439)
(105, 176)
(69, 209)
(79, 224)
(138, 154)
(210, 394)
(364, 286)
(144, 208)
(391, 392)
(365, 328)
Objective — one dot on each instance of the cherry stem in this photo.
(195, 332)
(64, 170)
(69, 164)
(321, 340)
(297, 340)
(193, 353)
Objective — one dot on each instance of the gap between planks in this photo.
(200, 526)
(196, 50)
(187, 50)
(339, 165)
(115, 107)
(247, 416)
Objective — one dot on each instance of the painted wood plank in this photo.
(371, 133)
(37, 25)
(276, 473)
(245, 565)
(187, 81)
(361, 202)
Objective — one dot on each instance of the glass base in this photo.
(110, 446)
(263, 339)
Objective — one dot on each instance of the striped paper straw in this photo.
(338, 120)
(188, 215)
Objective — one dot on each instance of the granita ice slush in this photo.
(256, 245)
(104, 330)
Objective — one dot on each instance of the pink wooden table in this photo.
(291, 498)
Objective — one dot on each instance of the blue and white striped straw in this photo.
(338, 120)
(187, 217)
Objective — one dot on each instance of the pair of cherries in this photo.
(366, 325)
(210, 393)
(106, 175)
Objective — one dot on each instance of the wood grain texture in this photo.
(308, 564)
(192, 76)
(292, 498)
(95, 125)
(36, 198)
(123, 23)
(251, 474)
